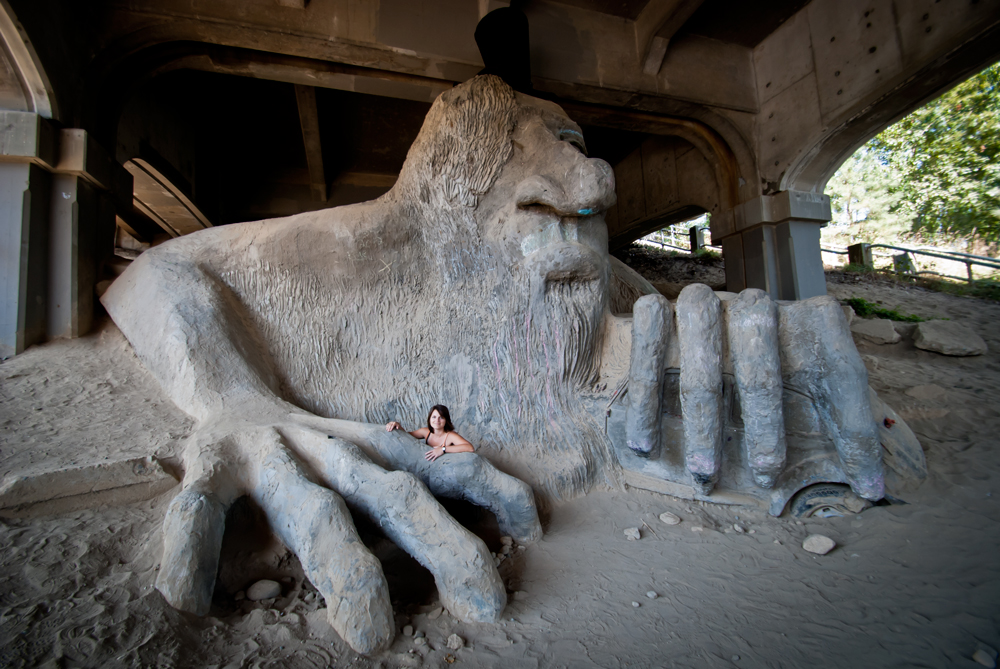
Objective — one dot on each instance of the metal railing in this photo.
(669, 237)
(910, 265)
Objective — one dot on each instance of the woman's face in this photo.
(437, 422)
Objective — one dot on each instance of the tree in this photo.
(863, 198)
(945, 156)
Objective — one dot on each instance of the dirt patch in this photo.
(669, 271)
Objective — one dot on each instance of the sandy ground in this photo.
(909, 585)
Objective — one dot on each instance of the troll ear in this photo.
(464, 142)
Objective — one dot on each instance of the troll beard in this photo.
(545, 351)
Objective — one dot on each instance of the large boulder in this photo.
(948, 338)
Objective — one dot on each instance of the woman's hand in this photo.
(434, 454)
(392, 425)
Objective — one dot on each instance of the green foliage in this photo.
(866, 309)
(947, 157)
(855, 268)
(936, 173)
(863, 198)
(707, 256)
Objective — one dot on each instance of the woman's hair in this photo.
(443, 412)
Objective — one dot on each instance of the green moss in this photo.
(866, 309)
(707, 256)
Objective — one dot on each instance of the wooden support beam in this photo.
(309, 118)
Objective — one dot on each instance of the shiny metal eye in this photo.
(574, 138)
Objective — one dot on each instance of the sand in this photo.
(909, 585)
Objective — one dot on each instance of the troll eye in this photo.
(574, 138)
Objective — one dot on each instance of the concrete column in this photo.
(56, 228)
(773, 241)
(27, 151)
(24, 224)
(81, 235)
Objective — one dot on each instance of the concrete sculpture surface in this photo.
(482, 281)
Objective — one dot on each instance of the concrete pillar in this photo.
(56, 228)
(81, 236)
(24, 224)
(27, 152)
(772, 242)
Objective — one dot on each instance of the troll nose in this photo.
(586, 188)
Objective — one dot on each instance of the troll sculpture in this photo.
(482, 281)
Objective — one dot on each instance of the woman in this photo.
(439, 434)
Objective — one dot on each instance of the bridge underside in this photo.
(129, 123)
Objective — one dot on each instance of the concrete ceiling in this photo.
(740, 22)
(626, 9)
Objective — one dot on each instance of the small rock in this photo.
(436, 613)
(948, 338)
(985, 655)
(670, 518)
(522, 548)
(739, 528)
(506, 541)
(818, 544)
(310, 598)
(651, 594)
(455, 642)
(752, 532)
(635, 604)
(420, 641)
(505, 550)
(848, 313)
(408, 630)
(420, 634)
(697, 528)
(632, 534)
(263, 589)
(736, 658)
(875, 330)
(240, 596)
(777, 542)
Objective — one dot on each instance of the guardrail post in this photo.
(860, 254)
(968, 270)
(697, 237)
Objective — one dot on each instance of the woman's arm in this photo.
(419, 433)
(453, 443)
